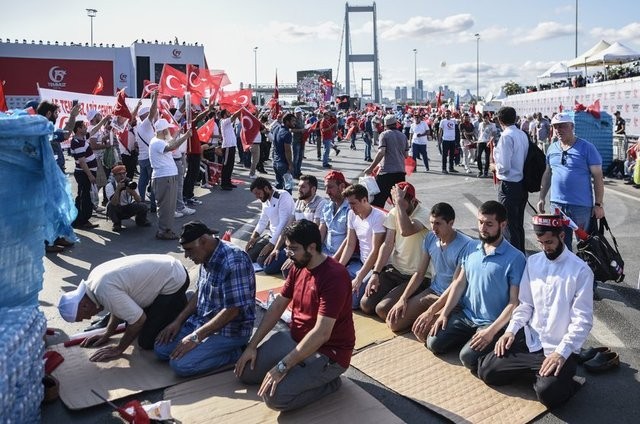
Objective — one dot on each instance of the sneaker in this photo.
(326, 166)
(206, 185)
(486, 175)
(178, 214)
(194, 201)
(444, 171)
(455, 171)
(99, 209)
(480, 174)
(187, 211)
(167, 235)
(337, 152)
(468, 171)
(116, 228)
(252, 176)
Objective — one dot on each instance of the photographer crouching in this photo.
(124, 200)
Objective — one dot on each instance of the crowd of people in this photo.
(510, 315)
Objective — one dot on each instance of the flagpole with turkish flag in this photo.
(172, 82)
(274, 102)
(250, 128)
(121, 108)
(99, 86)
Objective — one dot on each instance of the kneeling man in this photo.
(552, 321)
(299, 367)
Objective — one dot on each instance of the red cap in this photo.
(411, 190)
(336, 176)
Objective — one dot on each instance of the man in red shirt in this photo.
(300, 367)
(328, 126)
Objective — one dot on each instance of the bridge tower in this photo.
(349, 58)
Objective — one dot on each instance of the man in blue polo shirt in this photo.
(487, 289)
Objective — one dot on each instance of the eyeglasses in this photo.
(563, 160)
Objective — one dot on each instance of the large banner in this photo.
(315, 85)
(87, 102)
(617, 95)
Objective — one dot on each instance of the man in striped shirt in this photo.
(85, 175)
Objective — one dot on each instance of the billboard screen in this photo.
(315, 85)
(23, 75)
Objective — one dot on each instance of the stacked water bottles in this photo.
(21, 365)
(36, 206)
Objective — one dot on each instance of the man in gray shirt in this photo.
(391, 155)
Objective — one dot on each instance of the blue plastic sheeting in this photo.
(597, 131)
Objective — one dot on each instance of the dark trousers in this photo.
(483, 148)
(164, 309)
(448, 151)
(130, 162)
(385, 183)
(117, 213)
(520, 363)
(418, 151)
(514, 198)
(83, 199)
(227, 165)
(193, 169)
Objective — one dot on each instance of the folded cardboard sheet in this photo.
(443, 385)
(222, 398)
(370, 330)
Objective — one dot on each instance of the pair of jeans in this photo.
(420, 150)
(214, 352)
(117, 213)
(83, 199)
(581, 215)
(280, 169)
(448, 151)
(367, 146)
(327, 149)
(193, 171)
(483, 148)
(514, 198)
(385, 183)
(144, 180)
(274, 266)
(297, 148)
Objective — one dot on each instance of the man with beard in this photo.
(486, 287)
(333, 216)
(551, 323)
(299, 367)
(212, 329)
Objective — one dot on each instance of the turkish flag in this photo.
(206, 130)
(197, 83)
(148, 88)
(250, 128)
(216, 80)
(3, 101)
(439, 99)
(233, 101)
(172, 82)
(274, 103)
(163, 109)
(121, 108)
(99, 86)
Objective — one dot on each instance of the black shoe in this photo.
(52, 248)
(603, 361)
(99, 323)
(588, 354)
(327, 166)
(444, 171)
(116, 228)
(144, 224)
(226, 188)
(455, 171)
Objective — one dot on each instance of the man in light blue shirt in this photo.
(333, 218)
(487, 288)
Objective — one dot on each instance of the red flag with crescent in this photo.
(163, 110)
(3, 100)
(99, 86)
(250, 128)
(172, 82)
(205, 131)
(216, 80)
(121, 108)
(197, 83)
(148, 87)
(234, 100)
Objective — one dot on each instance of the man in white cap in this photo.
(165, 176)
(144, 132)
(145, 291)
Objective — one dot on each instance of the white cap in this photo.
(92, 114)
(68, 305)
(162, 124)
(297, 110)
(561, 118)
(143, 110)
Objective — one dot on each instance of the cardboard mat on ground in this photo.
(136, 371)
(222, 397)
(268, 282)
(443, 385)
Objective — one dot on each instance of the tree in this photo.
(512, 88)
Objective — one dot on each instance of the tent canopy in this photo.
(616, 53)
(580, 60)
(559, 70)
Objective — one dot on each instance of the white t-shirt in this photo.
(487, 131)
(419, 128)
(228, 134)
(125, 286)
(365, 229)
(162, 162)
(144, 131)
(448, 127)
(110, 190)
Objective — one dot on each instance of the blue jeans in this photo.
(458, 332)
(144, 180)
(279, 170)
(298, 153)
(214, 352)
(353, 266)
(420, 150)
(367, 146)
(327, 150)
(275, 265)
(581, 215)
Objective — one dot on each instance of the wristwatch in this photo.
(598, 204)
(281, 367)
(193, 337)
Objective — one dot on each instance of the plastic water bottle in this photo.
(270, 298)
(288, 181)
(617, 267)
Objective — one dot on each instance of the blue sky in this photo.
(518, 40)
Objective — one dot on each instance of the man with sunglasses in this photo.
(571, 164)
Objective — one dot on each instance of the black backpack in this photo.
(534, 167)
(605, 261)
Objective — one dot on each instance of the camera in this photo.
(130, 184)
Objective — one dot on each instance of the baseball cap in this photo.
(297, 110)
(561, 118)
(193, 230)
(92, 114)
(143, 110)
(162, 124)
(390, 120)
(68, 305)
(411, 190)
(336, 176)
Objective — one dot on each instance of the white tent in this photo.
(580, 60)
(501, 95)
(614, 54)
(560, 70)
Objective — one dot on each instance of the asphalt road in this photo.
(610, 397)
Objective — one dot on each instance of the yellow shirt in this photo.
(407, 251)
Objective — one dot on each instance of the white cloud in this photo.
(565, 10)
(290, 33)
(420, 26)
(544, 31)
(630, 32)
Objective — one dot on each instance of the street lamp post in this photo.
(255, 69)
(415, 76)
(477, 66)
(91, 13)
